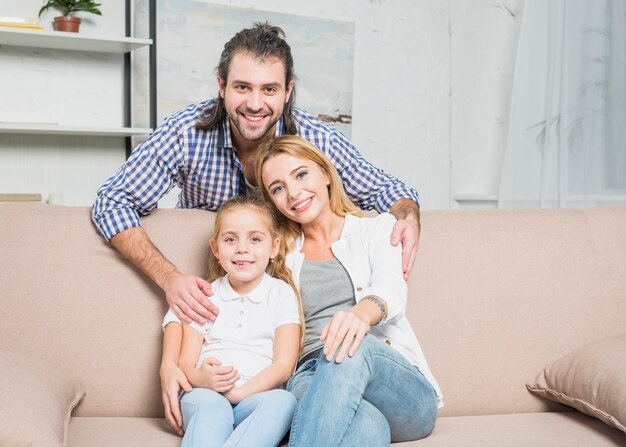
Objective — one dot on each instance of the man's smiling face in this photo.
(254, 96)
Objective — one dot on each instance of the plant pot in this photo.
(67, 23)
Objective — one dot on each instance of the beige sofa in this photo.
(495, 296)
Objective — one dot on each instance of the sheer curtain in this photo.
(566, 144)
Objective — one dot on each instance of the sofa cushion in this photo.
(38, 398)
(590, 379)
(512, 430)
(565, 429)
(121, 432)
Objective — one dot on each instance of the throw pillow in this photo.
(591, 379)
(37, 399)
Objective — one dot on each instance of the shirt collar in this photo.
(258, 295)
(223, 135)
(279, 127)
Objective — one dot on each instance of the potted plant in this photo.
(66, 22)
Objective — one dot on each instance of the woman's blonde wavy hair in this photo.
(339, 202)
(275, 268)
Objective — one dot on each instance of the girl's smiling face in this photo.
(244, 246)
(298, 188)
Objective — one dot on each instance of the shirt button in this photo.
(388, 341)
(358, 289)
(242, 300)
(239, 325)
(241, 312)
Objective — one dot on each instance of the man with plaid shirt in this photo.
(208, 150)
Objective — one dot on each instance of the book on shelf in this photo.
(20, 197)
(20, 22)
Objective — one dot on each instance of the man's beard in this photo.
(249, 135)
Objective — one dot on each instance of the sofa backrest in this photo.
(497, 295)
(68, 297)
(494, 297)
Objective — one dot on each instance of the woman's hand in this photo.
(172, 380)
(212, 375)
(344, 333)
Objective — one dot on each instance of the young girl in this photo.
(254, 341)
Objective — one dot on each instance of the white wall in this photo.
(483, 48)
(432, 81)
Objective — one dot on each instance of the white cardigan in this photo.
(375, 268)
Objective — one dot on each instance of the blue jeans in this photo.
(209, 419)
(371, 399)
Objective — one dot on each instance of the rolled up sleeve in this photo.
(365, 184)
(135, 189)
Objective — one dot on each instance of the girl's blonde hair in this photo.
(275, 267)
(339, 202)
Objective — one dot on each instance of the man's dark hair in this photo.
(262, 41)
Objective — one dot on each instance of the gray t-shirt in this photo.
(325, 288)
(251, 191)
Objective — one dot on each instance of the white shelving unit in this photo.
(52, 129)
(70, 42)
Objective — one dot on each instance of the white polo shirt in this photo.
(242, 335)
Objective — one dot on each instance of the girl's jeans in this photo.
(373, 398)
(209, 419)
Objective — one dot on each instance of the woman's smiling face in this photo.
(297, 186)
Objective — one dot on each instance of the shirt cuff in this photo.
(171, 317)
(395, 192)
(284, 321)
(113, 221)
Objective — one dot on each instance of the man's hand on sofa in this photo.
(188, 296)
(172, 381)
(406, 231)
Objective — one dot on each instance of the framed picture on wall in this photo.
(190, 36)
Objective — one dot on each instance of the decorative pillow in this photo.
(591, 379)
(36, 401)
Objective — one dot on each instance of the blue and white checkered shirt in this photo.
(205, 166)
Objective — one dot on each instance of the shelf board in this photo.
(52, 129)
(69, 41)
(476, 197)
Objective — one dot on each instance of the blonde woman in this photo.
(362, 378)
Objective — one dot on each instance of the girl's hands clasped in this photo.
(344, 333)
(212, 375)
